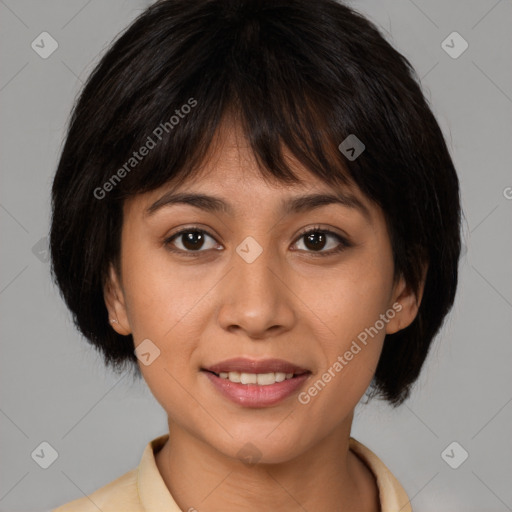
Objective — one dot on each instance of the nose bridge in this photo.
(253, 262)
(256, 299)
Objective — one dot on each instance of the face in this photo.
(243, 293)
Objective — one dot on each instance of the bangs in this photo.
(178, 116)
(165, 88)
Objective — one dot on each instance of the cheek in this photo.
(163, 306)
(349, 328)
(349, 301)
(156, 297)
(350, 354)
(157, 309)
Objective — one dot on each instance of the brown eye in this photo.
(317, 239)
(194, 241)
(188, 240)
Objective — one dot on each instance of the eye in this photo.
(191, 241)
(316, 239)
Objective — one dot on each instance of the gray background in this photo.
(54, 387)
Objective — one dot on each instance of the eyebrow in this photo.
(298, 204)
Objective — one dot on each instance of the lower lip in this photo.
(252, 395)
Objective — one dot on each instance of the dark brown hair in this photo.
(297, 74)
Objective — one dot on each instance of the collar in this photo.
(154, 495)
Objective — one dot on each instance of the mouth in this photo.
(261, 379)
(262, 373)
(256, 383)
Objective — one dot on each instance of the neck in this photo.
(327, 476)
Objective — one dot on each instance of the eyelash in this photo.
(344, 243)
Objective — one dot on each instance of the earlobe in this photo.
(115, 303)
(406, 303)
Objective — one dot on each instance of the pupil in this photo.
(192, 239)
(315, 240)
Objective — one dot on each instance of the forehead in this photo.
(229, 179)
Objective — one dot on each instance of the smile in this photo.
(261, 379)
(256, 390)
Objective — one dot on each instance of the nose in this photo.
(255, 295)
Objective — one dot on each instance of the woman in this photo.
(256, 211)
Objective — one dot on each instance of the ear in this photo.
(406, 303)
(115, 302)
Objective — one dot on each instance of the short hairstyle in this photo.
(296, 74)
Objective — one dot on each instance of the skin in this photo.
(287, 304)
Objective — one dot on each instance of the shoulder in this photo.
(393, 497)
(135, 491)
(120, 494)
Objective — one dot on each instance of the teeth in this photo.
(233, 376)
(248, 378)
(262, 379)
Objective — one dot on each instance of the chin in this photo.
(256, 446)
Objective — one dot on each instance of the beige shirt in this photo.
(143, 490)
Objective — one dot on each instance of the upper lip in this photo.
(244, 365)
